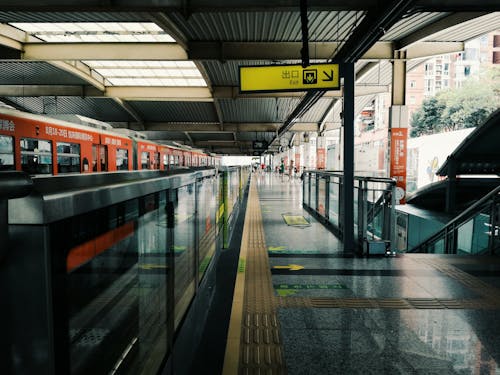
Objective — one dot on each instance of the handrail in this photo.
(369, 206)
(464, 216)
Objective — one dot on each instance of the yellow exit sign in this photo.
(270, 78)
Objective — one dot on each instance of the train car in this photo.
(41, 145)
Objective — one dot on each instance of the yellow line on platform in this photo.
(231, 357)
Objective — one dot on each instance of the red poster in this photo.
(399, 137)
(320, 160)
(297, 161)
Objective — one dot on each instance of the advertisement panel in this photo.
(399, 139)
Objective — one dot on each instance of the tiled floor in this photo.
(375, 340)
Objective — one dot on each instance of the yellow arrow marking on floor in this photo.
(276, 248)
(291, 267)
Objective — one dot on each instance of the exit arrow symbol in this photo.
(291, 267)
(329, 76)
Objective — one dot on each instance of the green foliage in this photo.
(460, 108)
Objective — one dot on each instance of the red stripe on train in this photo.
(90, 249)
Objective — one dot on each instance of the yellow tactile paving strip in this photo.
(254, 340)
(254, 343)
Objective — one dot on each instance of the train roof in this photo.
(55, 121)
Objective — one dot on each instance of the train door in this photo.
(157, 160)
(99, 158)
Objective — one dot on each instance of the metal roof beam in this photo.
(146, 93)
(132, 112)
(228, 127)
(103, 51)
(440, 25)
(171, 93)
(230, 5)
(205, 50)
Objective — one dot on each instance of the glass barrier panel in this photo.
(334, 202)
(306, 190)
(313, 192)
(184, 249)
(322, 196)
(206, 223)
(114, 290)
(473, 235)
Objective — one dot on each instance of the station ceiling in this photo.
(169, 68)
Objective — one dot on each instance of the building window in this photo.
(446, 69)
(428, 86)
(412, 100)
(413, 84)
(467, 70)
(429, 68)
(446, 83)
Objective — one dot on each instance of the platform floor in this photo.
(300, 307)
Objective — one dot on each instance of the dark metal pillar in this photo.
(348, 190)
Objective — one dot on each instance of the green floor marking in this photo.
(294, 252)
(286, 292)
(204, 264)
(241, 265)
(308, 286)
(295, 220)
(276, 248)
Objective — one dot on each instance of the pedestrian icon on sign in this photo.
(310, 77)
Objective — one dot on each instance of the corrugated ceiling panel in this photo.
(6, 17)
(35, 73)
(151, 111)
(103, 109)
(163, 135)
(211, 136)
(257, 110)
(318, 110)
(410, 24)
(470, 29)
(266, 26)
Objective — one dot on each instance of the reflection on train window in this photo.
(36, 156)
(6, 153)
(68, 157)
(145, 160)
(165, 161)
(121, 159)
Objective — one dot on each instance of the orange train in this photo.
(42, 145)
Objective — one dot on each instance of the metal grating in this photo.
(267, 26)
(166, 111)
(35, 73)
(103, 109)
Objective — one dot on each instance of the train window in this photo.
(36, 156)
(157, 160)
(103, 155)
(121, 159)
(145, 160)
(68, 157)
(165, 161)
(6, 153)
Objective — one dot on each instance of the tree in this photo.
(425, 119)
(460, 108)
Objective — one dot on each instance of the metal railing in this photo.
(374, 205)
(474, 231)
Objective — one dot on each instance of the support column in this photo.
(398, 128)
(348, 183)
